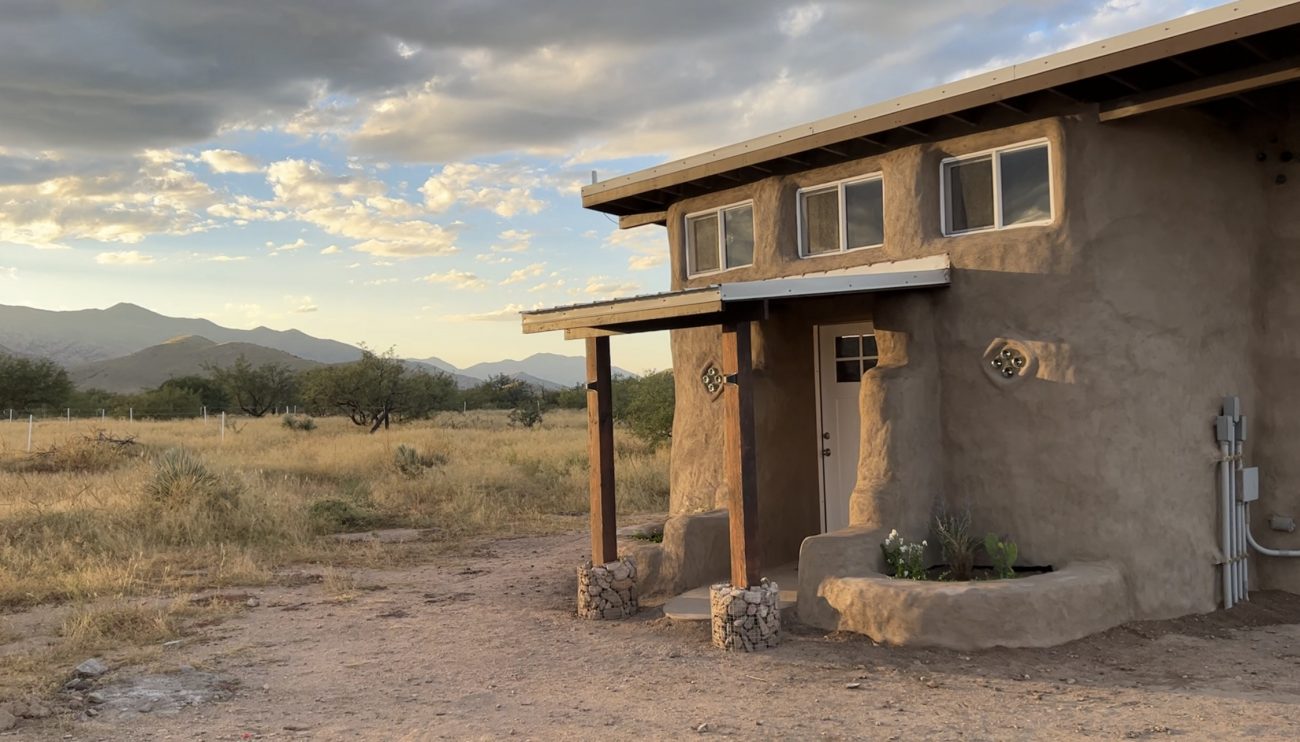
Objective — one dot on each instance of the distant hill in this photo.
(462, 381)
(560, 371)
(180, 356)
(83, 336)
(121, 348)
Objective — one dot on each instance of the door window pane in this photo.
(864, 213)
(821, 222)
(970, 194)
(704, 243)
(847, 346)
(848, 372)
(869, 346)
(1026, 195)
(739, 229)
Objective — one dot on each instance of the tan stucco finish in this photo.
(1166, 280)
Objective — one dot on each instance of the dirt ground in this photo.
(488, 646)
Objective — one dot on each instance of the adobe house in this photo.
(1028, 292)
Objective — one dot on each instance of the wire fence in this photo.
(45, 420)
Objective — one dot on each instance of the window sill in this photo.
(849, 251)
(1007, 228)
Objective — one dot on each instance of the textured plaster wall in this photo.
(1135, 304)
(1274, 443)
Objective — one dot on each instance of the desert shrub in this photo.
(411, 463)
(1003, 553)
(304, 423)
(957, 543)
(903, 559)
(180, 478)
(333, 515)
(82, 456)
(526, 417)
(646, 405)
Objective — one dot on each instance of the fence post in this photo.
(223, 427)
(130, 414)
(69, 411)
(31, 420)
(101, 415)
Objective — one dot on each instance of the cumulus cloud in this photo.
(226, 258)
(503, 190)
(297, 244)
(331, 250)
(456, 279)
(514, 240)
(606, 287)
(123, 200)
(124, 257)
(9, 272)
(525, 273)
(648, 245)
(229, 161)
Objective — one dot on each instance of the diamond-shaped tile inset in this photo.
(712, 379)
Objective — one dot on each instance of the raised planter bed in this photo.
(1039, 610)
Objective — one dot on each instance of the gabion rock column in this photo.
(746, 619)
(607, 591)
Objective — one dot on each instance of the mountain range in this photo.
(126, 348)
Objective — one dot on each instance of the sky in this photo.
(406, 173)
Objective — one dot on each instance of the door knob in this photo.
(826, 435)
(826, 452)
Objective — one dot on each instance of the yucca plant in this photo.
(957, 543)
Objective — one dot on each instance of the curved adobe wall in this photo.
(1037, 611)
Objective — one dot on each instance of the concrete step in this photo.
(693, 605)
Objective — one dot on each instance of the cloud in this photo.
(9, 272)
(229, 161)
(226, 258)
(124, 257)
(379, 281)
(648, 245)
(800, 19)
(297, 244)
(508, 313)
(514, 240)
(504, 190)
(120, 200)
(357, 207)
(525, 273)
(301, 304)
(456, 279)
(605, 287)
(331, 250)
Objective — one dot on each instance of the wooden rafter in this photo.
(1207, 89)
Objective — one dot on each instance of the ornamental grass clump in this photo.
(1003, 553)
(957, 543)
(903, 559)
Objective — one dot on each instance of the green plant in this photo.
(957, 543)
(1003, 552)
(903, 559)
(304, 423)
(180, 478)
(335, 516)
(525, 416)
(411, 463)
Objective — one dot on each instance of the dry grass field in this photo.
(118, 536)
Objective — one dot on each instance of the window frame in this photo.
(994, 155)
(688, 238)
(840, 186)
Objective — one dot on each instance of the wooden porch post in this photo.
(740, 466)
(600, 449)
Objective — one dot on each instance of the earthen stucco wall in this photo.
(1138, 304)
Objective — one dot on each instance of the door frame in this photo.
(817, 396)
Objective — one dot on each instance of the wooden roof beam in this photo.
(1208, 89)
(632, 221)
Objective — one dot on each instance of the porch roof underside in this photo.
(730, 302)
(1228, 61)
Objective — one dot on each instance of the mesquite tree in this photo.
(256, 390)
(371, 390)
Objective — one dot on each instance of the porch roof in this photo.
(740, 300)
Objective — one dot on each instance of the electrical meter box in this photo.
(1248, 484)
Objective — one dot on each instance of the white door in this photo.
(844, 353)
